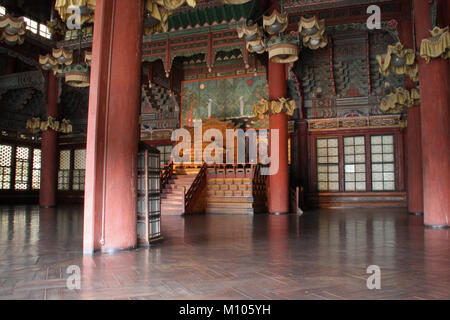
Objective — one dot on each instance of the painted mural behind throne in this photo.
(221, 98)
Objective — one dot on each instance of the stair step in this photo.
(172, 213)
(234, 199)
(176, 187)
(171, 196)
(169, 207)
(229, 205)
(169, 202)
(229, 211)
(184, 176)
(168, 189)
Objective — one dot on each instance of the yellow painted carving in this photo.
(436, 46)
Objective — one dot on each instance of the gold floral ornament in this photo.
(50, 124)
(436, 46)
(397, 101)
(261, 109)
(65, 127)
(283, 105)
(275, 23)
(34, 125)
(12, 30)
(265, 107)
(399, 61)
(312, 31)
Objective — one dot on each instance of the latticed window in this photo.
(383, 163)
(22, 168)
(79, 169)
(31, 25)
(64, 170)
(36, 176)
(355, 163)
(165, 153)
(328, 164)
(44, 31)
(5, 167)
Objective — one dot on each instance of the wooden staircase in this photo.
(234, 193)
(228, 190)
(176, 189)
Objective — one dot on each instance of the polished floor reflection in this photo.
(323, 254)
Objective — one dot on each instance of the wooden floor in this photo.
(321, 255)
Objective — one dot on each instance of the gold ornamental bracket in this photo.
(12, 30)
(436, 46)
(275, 23)
(398, 60)
(77, 76)
(265, 107)
(312, 31)
(63, 56)
(283, 49)
(159, 10)
(253, 35)
(57, 61)
(396, 102)
(47, 62)
(250, 32)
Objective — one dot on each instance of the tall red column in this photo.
(413, 134)
(113, 126)
(435, 121)
(49, 149)
(279, 182)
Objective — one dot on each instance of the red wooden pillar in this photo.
(49, 149)
(435, 121)
(113, 121)
(413, 135)
(279, 182)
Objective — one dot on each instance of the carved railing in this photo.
(296, 195)
(191, 194)
(166, 174)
